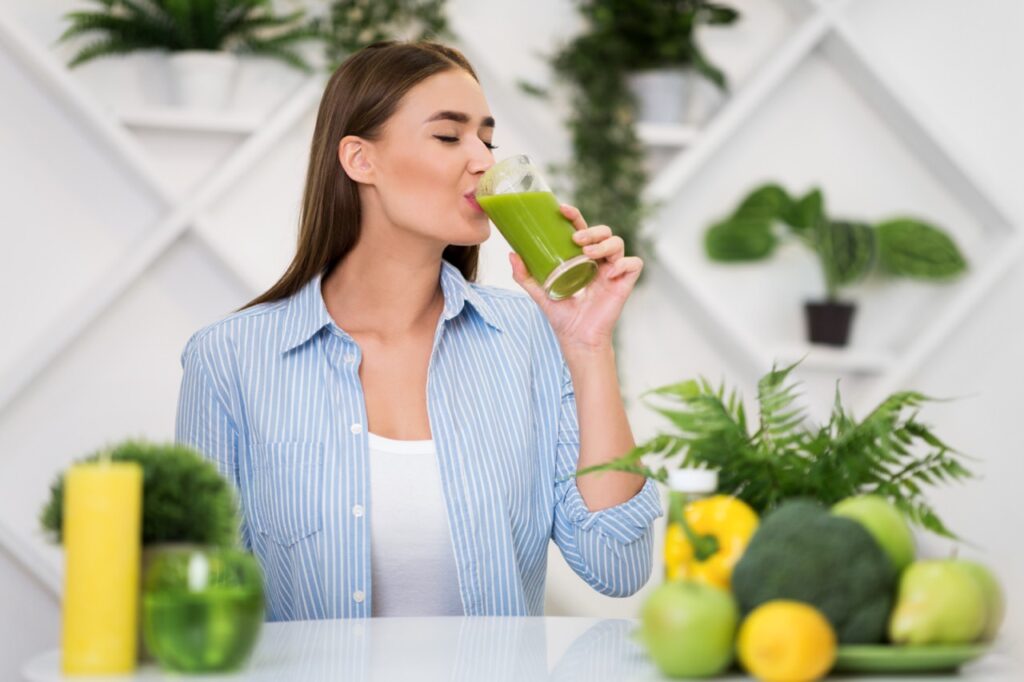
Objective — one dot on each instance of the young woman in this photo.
(402, 439)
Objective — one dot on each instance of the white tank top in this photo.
(411, 553)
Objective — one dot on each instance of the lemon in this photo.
(786, 641)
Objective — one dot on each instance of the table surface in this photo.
(460, 648)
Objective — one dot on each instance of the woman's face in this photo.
(429, 157)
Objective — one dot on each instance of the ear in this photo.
(354, 154)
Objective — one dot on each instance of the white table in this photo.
(457, 649)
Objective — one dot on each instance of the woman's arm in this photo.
(604, 429)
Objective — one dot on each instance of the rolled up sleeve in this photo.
(611, 549)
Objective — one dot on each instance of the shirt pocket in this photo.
(287, 490)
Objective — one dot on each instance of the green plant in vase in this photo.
(202, 37)
(202, 594)
(848, 251)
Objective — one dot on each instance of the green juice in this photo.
(533, 225)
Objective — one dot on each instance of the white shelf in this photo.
(826, 33)
(667, 134)
(169, 118)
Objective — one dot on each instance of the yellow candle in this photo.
(102, 534)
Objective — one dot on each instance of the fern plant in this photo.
(778, 455)
(245, 26)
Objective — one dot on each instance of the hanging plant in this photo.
(607, 167)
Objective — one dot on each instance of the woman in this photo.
(402, 439)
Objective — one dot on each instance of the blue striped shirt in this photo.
(272, 395)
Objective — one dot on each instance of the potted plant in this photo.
(848, 251)
(202, 36)
(189, 518)
(657, 41)
(778, 455)
(354, 24)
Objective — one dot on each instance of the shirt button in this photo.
(357, 510)
(356, 428)
(358, 596)
(350, 358)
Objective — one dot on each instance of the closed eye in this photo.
(452, 140)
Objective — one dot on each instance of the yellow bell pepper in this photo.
(722, 525)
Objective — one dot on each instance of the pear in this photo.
(938, 602)
(993, 597)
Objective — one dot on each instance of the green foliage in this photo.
(780, 456)
(914, 249)
(354, 24)
(184, 498)
(246, 26)
(607, 171)
(847, 251)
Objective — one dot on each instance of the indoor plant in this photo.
(201, 35)
(354, 24)
(189, 519)
(660, 51)
(606, 170)
(848, 251)
(779, 455)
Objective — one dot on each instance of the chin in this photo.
(476, 234)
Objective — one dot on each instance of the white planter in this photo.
(202, 79)
(662, 95)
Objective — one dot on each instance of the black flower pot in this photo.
(829, 322)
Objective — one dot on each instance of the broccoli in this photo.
(803, 552)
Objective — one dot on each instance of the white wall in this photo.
(71, 211)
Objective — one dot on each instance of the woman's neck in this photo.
(387, 286)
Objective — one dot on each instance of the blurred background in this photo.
(132, 215)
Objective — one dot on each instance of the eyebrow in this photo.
(459, 117)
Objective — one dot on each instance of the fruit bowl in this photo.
(889, 658)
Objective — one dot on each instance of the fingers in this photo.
(627, 265)
(612, 248)
(574, 216)
(522, 277)
(592, 235)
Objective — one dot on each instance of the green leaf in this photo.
(912, 248)
(805, 213)
(740, 240)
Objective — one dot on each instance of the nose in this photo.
(481, 159)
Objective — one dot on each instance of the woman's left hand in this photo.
(586, 321)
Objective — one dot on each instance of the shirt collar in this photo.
(306, 313)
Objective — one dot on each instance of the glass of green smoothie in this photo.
(519, 203)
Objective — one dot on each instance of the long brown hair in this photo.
(360, 97)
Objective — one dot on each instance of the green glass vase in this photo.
(202, 608)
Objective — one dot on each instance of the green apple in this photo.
(996, 606)
(938, 602)
(688, 628)
(886, 524)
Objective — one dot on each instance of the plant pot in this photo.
(202, 607)
(662, 95)
(202, 79)
(829, 322)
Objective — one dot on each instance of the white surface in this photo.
(460, 648)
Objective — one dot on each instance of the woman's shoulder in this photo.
(260, 323)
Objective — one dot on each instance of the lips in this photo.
(471, 198)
